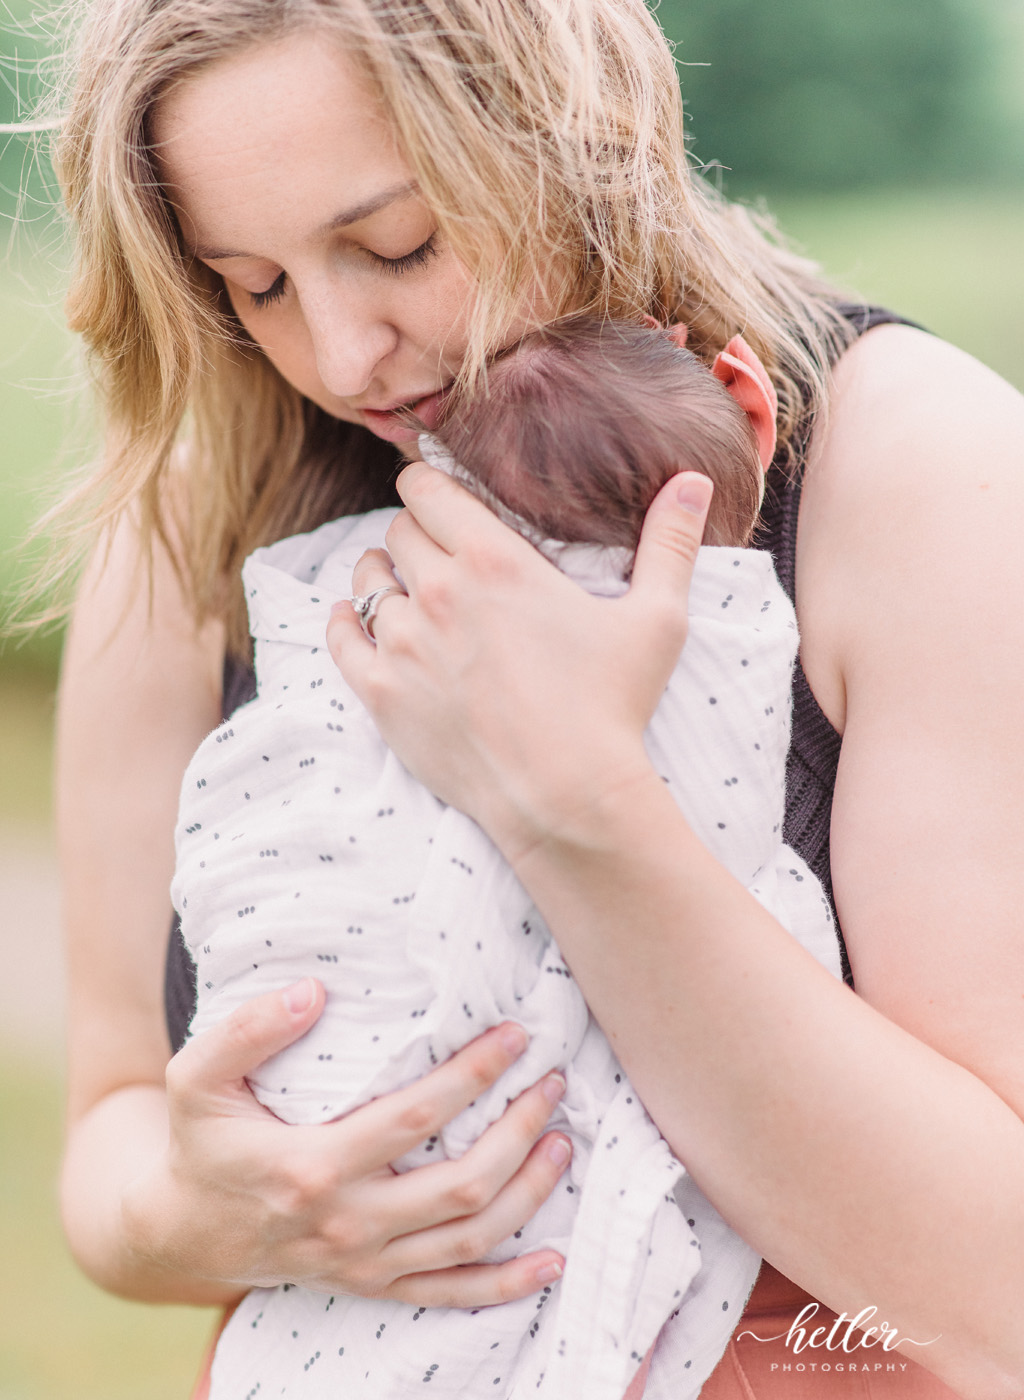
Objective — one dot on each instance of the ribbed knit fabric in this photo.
(814, 748)
(814, 751)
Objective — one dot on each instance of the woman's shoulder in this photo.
(917, 431)
(912, 496)
(906, 365)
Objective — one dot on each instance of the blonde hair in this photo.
(546, 136)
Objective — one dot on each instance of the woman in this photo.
(291, 222)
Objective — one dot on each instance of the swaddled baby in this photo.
(305, 848)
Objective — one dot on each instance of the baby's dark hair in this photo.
(582, 423)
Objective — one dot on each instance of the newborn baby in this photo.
(305, 848)
(580, 426)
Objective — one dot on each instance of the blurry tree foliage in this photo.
(803, 94)
(27, 46)
(785, 94)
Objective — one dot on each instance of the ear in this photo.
(747, 381)
(679, 333)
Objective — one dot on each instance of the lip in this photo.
(388, 424)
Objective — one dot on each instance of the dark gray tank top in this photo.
(814, 748)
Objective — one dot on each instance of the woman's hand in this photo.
(246, 1200)
(503, 686)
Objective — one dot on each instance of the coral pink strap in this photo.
(201, 1390)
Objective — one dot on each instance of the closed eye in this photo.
(273, 293)
(395, 266)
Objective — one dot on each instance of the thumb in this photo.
(671, 536)
(214, 1064)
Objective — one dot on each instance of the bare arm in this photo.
(871, 1146)
(136, 698)
(177, 1186)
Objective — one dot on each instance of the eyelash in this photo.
(393, 267)
(273, 293)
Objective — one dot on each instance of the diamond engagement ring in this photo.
(365, 606)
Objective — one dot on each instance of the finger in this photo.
(671, 536)
(446, 1191)
(375, 579)
(415, 554)
(373, 569)
(345, 636)
(351, 648)
(452, 516)
(468, 1240)
(216, 1062)
(390, 1126)
(479, 1285)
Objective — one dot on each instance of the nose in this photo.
(350, 338)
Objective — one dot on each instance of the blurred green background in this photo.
(888, 140)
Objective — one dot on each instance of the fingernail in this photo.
(547, 1273)
(694, 493)
(339, 606)
(300, 997)
(553, 1087)
(559, 1151)
(514, 1039)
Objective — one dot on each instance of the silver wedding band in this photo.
(365, 606)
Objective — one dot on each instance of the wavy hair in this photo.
(547, 138)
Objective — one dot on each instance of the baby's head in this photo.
(581, 424)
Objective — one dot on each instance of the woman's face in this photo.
(288, 183)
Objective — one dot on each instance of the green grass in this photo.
(26, 704)
(947, 259)
(60, 1337)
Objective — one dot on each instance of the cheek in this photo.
(262, 326)
(286, 345)
(442, 314)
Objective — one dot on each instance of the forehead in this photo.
(264, 142)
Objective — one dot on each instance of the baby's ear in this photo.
(748, 382)
(680, 334)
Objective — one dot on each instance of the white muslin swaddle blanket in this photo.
(304, 847)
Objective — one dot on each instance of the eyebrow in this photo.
(353, 215)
